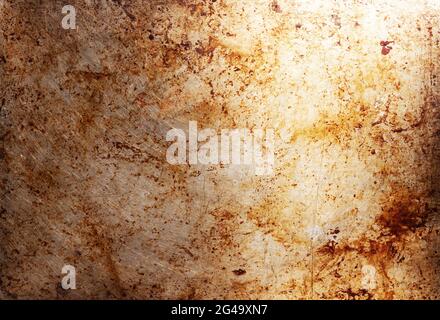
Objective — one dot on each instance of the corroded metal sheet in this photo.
(349, 210)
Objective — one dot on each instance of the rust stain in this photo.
(351, 91)
(386, 48)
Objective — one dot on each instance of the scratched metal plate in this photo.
(350, 211)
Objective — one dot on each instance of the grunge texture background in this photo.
(350, 212)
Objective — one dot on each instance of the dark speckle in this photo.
(239, 272)
(276, 7)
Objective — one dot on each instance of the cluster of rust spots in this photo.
(350, 294)
(401, 217)
(404, 215)
(222, 232)
(239, 272)
(276, 6)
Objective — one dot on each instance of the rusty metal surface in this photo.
(350, 211)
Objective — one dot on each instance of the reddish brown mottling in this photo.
(239, 272)
(349, 88)
(276, 7)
